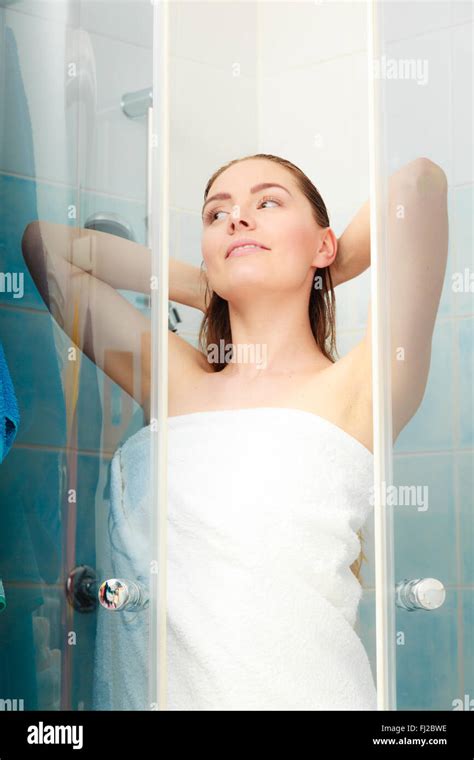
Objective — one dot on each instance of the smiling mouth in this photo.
(241, 250)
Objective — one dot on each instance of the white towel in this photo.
(264, 506)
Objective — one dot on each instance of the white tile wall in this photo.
(102, 149)
(404, 18)
(44, 46)
(113, 155)
(300, 34)
(65, 12)
(130, 21)
(317, 118)
(461, 11)
(218, 34)
(462, 110)
(418, 117)
(213, 120)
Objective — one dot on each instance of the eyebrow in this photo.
(254, 189)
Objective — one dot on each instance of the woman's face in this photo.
(279, 218)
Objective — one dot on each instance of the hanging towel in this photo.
(9, 412)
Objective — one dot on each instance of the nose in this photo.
(238, 219)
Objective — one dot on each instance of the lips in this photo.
(240, 245)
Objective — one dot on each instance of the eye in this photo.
(268, 198)
(210, 215)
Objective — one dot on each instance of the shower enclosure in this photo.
(113, 115)
(77, 151)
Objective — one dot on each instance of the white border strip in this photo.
(381, 383)
(158, 221)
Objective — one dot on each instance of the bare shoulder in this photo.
(186, 364)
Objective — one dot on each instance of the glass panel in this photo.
(77, 540)
(426, 78)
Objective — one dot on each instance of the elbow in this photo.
(30, 238)
(34, 255)
(30, 229)
(426, 174)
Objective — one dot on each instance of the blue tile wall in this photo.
(427, 661)
(425, 543)
(465, 491)
(465, 338)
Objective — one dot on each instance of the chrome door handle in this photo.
(419, 594)
(118, 594)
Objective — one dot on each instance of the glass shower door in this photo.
(78, 537)
(425, 78)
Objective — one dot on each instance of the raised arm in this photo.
(417, 236)
(78, 273)
(122, 264)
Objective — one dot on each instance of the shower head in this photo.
(110, 223)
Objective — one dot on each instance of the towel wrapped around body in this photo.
(264, 505)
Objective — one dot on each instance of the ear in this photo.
(327, 249)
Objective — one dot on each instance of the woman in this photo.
(270, 462)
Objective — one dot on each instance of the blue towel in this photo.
(9, 412)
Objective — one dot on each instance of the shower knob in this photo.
(81, 588)
(420, 594)
(118, 594)
(111, 223)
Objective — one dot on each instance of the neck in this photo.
(272, 336)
